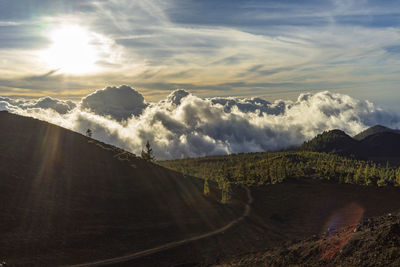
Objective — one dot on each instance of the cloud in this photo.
(61, 107)
(208, 46)
(176, 96)
(5, 106)
(184, 125)
(252, 105)
(119, 103)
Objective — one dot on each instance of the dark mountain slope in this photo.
(335, 141)
(384, 144)
(374, 130)
(65, 198)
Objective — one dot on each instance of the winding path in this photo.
(175, 243)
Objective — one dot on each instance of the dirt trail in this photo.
(172, 244)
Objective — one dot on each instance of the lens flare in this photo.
(340, 228)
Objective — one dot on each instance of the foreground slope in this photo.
(297, 195)
(280, 213)
(372, 242)
(66, 198)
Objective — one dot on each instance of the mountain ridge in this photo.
(66, 198)
(376, 143)
(374, 130)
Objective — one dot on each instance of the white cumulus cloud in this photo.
(184, 125)
(57, 105)
(119, 103)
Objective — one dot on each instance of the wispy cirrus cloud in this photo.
(241, 47)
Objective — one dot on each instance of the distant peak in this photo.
(337, 131)
(374, 130)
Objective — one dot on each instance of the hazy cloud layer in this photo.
(184, 125)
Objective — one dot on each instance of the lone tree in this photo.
(89, 133)
(147, 154)
(206, 188)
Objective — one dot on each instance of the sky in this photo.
(67, 49)
(205, 77)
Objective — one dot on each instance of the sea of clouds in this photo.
(184, 125)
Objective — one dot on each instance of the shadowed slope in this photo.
(377, 143)
(335, 141)
(385, 144)
(65, 198)
(374, 130)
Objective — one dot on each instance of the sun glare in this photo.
(71, 50)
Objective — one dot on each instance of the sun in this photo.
(71, 50)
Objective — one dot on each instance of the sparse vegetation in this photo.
(271, 168)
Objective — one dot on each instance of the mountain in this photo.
(374, 130)
(69, 199)
(335, 141)
(378, 143)
(383, 144)
(66, 198)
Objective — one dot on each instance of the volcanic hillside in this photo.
(335, 141)
(376, 143)
(66, 198)
(374, 130)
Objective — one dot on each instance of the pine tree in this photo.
(341, 179)
(331, 169)
(397, 180)
(299, 168)
(243, 171)
(367, 175)
(148, 153)
(392, 175)
(206, 187)
(226, 193)
(373, 173)
(267, 168)
(387, 171)
(89, 133)
(281, 171)
(358, 177)
(318, 166)
(381, 182)
(349, 178)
